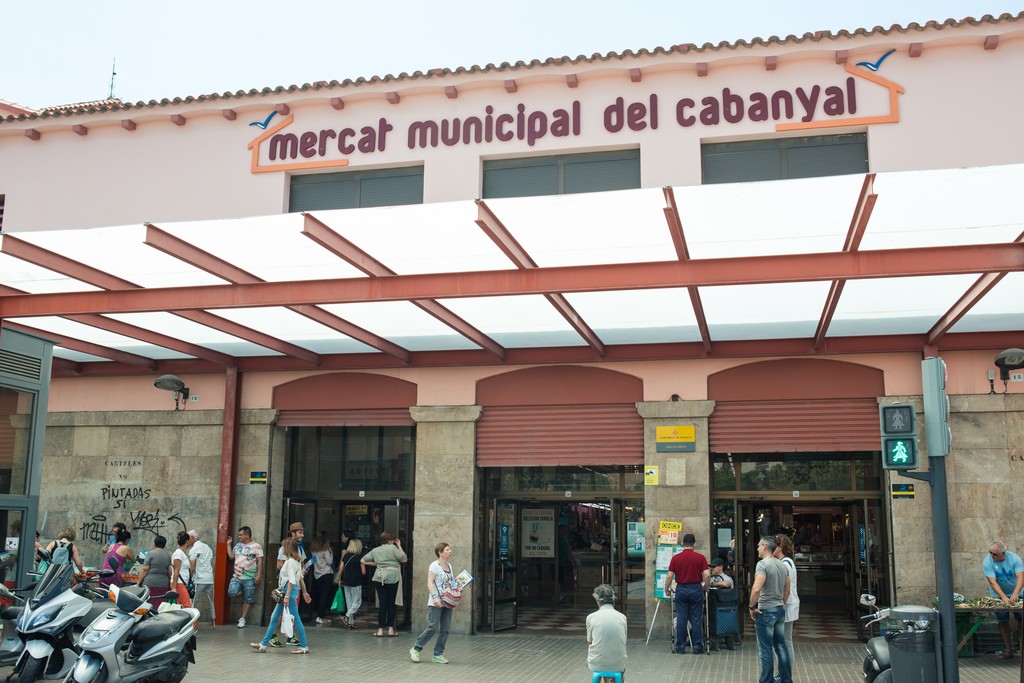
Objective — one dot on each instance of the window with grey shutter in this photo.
(562, 174)
(355, 189)
(781, 158)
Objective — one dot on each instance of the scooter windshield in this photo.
(54, 581)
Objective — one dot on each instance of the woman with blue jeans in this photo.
(439, 617)
(291, 575)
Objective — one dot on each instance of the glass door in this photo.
(502, 583)
(633, 584)
(300, 510)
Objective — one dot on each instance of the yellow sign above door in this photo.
(675, 439)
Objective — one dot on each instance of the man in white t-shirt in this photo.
(201, 564)
(606, 634)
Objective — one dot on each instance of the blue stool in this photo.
(614, 675)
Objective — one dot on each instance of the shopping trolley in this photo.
(723, 619)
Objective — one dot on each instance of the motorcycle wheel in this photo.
(32, 671)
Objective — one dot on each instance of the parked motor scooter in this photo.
(10, 644)
(57, 611)
(877, 661)
(916, 622)
(131, 643)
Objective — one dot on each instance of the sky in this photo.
(62, 52)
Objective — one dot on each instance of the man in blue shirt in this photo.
(1005, 573)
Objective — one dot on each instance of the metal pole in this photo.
(944, 570)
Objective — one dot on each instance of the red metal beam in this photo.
(906, 343)
(228, 462)
(31, 253)
(155, 338)
(141, 334)
(330, 240)
(973, 295)
(750, 270)
(854, 236)
(204, 260)
(62, 367)
(85, 347)
(675, 228)
(500, 235)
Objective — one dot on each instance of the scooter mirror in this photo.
(867, 599)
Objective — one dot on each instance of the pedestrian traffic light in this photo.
(936, 407)
(899, 436)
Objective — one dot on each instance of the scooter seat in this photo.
(878, 648)
(157, 629)
(11, 613)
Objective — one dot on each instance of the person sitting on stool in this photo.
(719, 579)
(606, 634)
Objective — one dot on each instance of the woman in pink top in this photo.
(122, 553)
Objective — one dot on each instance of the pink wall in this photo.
(968, 374)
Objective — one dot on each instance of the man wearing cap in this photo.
(298, 533)
(719, 579)
(201, 561)
(606, 633)
(690, 570)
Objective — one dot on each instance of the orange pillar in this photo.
(226, 510)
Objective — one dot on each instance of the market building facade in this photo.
(536, 309)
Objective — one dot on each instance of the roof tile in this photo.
(115, 104)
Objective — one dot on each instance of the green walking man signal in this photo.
(899, 436)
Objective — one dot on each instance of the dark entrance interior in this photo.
(543, 559)
(839, 554)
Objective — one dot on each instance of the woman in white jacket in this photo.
(288, 583)
(784, 552)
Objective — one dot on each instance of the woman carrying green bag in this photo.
(338, 606)
(350, 577)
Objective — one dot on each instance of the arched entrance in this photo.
(561, 452)
(350, 451)
(794, 450)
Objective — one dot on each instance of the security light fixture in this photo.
(1010, 359)
(173, 383)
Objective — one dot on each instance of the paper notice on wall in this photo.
(538, 532)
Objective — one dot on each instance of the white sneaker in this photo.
(241, 623)
(415, 654)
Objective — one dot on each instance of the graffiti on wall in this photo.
(120, 495)
(98, 529)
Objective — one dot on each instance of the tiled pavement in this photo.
(224, 655)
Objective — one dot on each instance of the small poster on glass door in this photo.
(538, 532)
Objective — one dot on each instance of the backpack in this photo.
(61, 553)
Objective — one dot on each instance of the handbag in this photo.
(451, 596)
(277, 594)
(191, 587)
(338, 606)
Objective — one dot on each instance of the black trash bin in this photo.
(912, 653)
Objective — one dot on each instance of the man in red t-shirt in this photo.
(692, 575)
